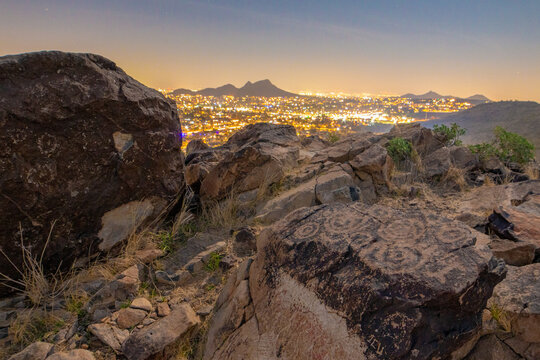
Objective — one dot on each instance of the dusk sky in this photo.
(379, 47)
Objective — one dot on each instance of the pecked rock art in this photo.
(350, 281)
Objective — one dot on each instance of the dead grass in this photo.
(532, 171)
(455, 179)
(220, 215)
(33, 325)
(33, 282)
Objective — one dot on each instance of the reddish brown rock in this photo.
(156, 337)
(80, 138)
(520, 222)
(348, 281)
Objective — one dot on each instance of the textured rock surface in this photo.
(78, 354)
(36, 351)
(257, 154)
(491, 348)
(356, 282)
(156, 337)
(516, 253)
(109, 335)
(79, 138)
(519, 296)
(519, 223)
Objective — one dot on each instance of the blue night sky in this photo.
(379, 47)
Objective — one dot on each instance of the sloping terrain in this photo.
(521, 117)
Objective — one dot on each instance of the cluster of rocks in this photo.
(341, 253)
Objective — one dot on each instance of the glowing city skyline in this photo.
(385, 47)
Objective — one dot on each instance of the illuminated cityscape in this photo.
(215, 119)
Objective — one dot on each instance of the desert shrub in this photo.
(332, 138)
(508, 146)
(484, 150)
(450, 134)
(399, 149)
(513, 147)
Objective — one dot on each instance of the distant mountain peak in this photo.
(262, 88)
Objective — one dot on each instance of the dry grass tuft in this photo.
(455, 179)
(222, 214)
(501, 317)
(33, 282)
(532, 171)
(33, 325)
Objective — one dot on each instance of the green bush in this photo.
(399, 149)
(508, 147)
(513, 147)
(213, 262)
(484, 150)
(451, 134)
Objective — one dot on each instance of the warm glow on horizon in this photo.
(379, 49)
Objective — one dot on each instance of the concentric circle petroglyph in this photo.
(410, 229)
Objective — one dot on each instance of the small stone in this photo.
(128, 318)
(84, 346)
(77, 354)
(36, 351)
(227, 262)
(109, 335)
(100, 314)
(154, 338)
(149, 255)
(147, 321)
(163, 309)
(142, 304)
(205, 311)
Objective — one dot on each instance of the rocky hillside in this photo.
(279, 247)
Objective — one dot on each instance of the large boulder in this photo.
(348, 281)
(80, 139)
(373, 164)
(257, 155)
(423, 139)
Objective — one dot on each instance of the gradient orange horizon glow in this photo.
(352, 47)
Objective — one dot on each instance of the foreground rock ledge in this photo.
(356, 282)
(84, 147)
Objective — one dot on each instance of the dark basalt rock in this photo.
(79, 138)
(357, 282)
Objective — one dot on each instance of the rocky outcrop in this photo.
(423, 139)
(258, 154)
(333, 185)
(348, 281)
(83, 145)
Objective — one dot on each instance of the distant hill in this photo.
(430, 95)
(521, 117)
(263, 88)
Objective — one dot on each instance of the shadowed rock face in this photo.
(79, 138)
(358, 282)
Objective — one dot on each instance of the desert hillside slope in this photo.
(521, 117)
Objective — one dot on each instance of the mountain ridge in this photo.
(430, 95)
(261, 88)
